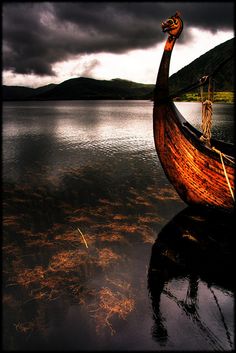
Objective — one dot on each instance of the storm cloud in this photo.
(38, 35)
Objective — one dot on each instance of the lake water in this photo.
(88, 260)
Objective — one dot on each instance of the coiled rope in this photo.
(206, 129)
(207, 113)
(206, 122)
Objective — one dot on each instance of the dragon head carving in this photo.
(173, 25)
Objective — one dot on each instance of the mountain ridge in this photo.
(90, 88)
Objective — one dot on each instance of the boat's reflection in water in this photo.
(190, 279)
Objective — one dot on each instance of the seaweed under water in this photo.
(45, 257)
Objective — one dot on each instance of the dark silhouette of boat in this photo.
(201, 174)
(191, 247)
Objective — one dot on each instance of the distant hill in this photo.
(44, 89)
(88, 88)
(16, 92)
(205, 64)
(23, 93)
(81, 88)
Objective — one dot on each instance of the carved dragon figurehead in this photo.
(173, 26)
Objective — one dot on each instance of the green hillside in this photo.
(205, 64)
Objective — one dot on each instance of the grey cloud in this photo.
(89, 67)
(37, 35)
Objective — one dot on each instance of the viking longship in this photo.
(200, 168)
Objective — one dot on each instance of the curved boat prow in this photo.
(202, 175)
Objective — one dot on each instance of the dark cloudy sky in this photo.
(52, 41)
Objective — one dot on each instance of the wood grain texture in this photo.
(195, 170)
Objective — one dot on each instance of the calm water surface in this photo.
(88, 261)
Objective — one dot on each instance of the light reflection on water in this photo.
(90, 165)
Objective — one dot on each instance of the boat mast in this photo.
(173, 26)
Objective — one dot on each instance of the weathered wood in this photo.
(197, 177)
(194, 169)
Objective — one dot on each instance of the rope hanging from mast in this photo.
(206, 127)
(207, 114)
(206, 122)
(207, 104)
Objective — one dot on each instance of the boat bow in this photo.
(199, 173)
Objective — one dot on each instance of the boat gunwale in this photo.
(192, 134)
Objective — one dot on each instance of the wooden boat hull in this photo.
(195, 170)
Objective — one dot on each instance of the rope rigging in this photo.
(207, 114)
(206, 128)
(202, 81)
(207, 103)
(225, 172)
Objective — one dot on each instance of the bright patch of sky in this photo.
(136, 65)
